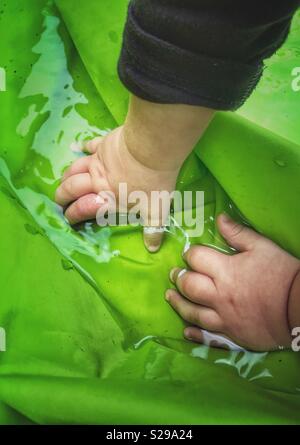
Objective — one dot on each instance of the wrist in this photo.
(134, 147)
(131, 161)
(294, 301)
(161, 136)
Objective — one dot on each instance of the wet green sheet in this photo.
(89, 337)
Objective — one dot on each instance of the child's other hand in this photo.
(244, 297)
(109, 164)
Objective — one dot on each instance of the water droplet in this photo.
(31, 229)
(66, 264)
(280, 163)
(113, 36)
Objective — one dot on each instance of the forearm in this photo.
(294, 302)
(161, 136)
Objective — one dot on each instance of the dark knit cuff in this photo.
(158, 71)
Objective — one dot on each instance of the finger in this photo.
(73, 188)
(80, 166)
(153, 237)
(196, 287)
(193, 313)
(205, 260)
(212, 339)
(194, 334)
(92, 146)
(83, 209)
(237, 235)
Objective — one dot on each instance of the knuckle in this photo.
(95, 170)
(92, 145)
(197, 318)
(236, 230)
(219, 324)
(186, 283)
(68, 186)
(194, 254)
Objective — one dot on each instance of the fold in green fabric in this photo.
(89, 337)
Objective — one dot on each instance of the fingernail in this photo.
(168, 295)
(153, 238)
(152, 248)
(187, 335)
(76, 147)
(176, 273)
(181, 273)
(173, 274)
(225, 218)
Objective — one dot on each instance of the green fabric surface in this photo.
(90, 338)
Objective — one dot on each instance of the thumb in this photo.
(237, 235)
(153, 237)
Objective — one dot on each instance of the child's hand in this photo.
(110, 164)
(146, 154)
(244, 297)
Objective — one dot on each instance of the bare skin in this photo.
(137, 153)
(110, 164)
(252, 297)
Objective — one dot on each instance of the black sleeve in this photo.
(200, 52)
